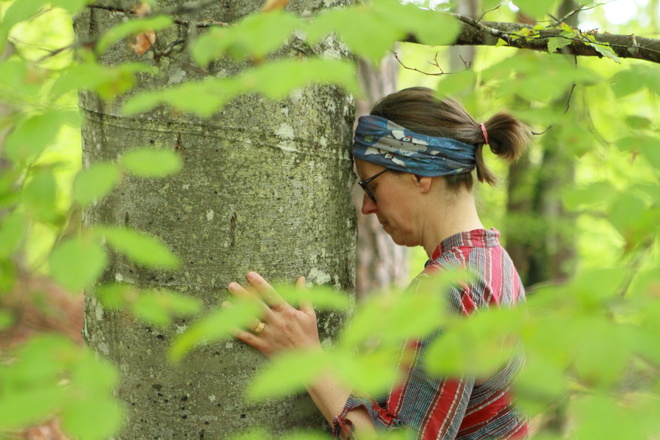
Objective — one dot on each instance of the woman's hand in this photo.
(284, 328)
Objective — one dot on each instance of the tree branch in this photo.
(488, 33)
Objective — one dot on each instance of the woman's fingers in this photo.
(304, 302)
(265, 290)
(256, 326)
(243, 293)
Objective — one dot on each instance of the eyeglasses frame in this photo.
(363, 184)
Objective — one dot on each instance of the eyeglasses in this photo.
(364, 183)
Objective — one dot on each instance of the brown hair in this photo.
(418, 110)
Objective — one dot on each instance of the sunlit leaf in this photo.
(95, 376)
(592, 194)
(148, 162)
(39, 195)
(456, 83)
(18, 11)
(36, 133)
(93, 419)
(602, 417)
(556, 43)
(77, 263)
(351, 25)
(216, 326)
(107, 81)
(536, 8)
(255, 36)
(158, 307)
(7, 319)
(321, 297)
(28, 406)
(206, 97)
(12, 233)
(370, 373)
(115, 296)
(73, 6)
(288, 374)
(95, 182)
(130, 28)
(139, 247)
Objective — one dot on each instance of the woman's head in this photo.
(418, 110)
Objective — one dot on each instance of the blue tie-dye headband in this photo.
(381, 141)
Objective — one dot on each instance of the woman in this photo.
(415, 155)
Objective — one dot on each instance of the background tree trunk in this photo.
(381, 262)
(544, 251)
(265, 187)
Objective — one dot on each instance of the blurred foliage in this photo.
(593, 341)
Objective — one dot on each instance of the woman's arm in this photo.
(289, 329)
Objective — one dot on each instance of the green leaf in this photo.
(646, 146)
(116, 296)
(39, 195)
(93, 377)
(536, 8)
(77, 263)
(216, 326)
(430, 27)
(602, 417)
(158, 307)
(139, 247)
(606, 50)
(36, 133)
(206, 97)
(7, 319)
(107, 81)
(456, 84)
(20, 408)
(95, 182)
(255, 36)
(288, 374)
(321, 297)
(148, 162)
(556, 43)
(369, 373)
(73, 6)
(7, 276)
(501, 42)
(93, 419)
(12, 233)
(18, 11)
(352, 25)
(130, 28)
(638, 122)
(592, 194)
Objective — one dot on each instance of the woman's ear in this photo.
(423, 183)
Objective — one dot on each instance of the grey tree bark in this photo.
(381, 263)
(265, 187)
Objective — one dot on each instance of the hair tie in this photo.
(483, 130)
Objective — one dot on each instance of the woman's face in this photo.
(394, 206)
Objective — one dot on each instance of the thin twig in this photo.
(433, 63)
(561, 20)
(483, 13)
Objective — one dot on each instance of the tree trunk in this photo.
(381, 262)
(264, 187)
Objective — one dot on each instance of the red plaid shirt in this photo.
(455, 408)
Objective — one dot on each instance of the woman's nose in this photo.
(368, 205)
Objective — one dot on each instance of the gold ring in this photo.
(259, 328)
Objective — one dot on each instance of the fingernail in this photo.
(251, 275)
(231, 287)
